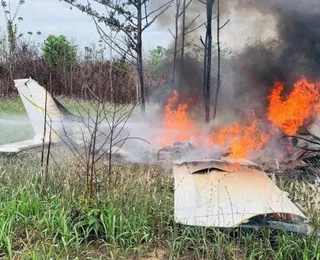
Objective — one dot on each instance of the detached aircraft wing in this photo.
(228, 194)
(45, 113)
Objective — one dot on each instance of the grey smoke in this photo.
(248, 74)
(294, 53)
(14, 129)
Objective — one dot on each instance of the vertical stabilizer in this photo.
(38, 103)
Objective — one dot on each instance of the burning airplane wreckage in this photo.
(220, 170)
(215, 183)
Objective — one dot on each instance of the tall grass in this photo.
(131, 220)
(15, 107)
(14, 123)
(12, 106)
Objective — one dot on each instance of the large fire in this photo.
(244, 140)
(177, 121)
(291, 112)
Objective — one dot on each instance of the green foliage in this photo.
(11, 16)
(157, 56)
(197, 52)
(12, 35)
(59, 52)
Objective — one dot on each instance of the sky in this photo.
(55, 17)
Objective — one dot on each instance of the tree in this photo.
(219, 60)
(187, 29)
(183, 34)
(59, 52)
(11, 17)
(207, 60)
(181, 7)
(130, 18)
(175, 37)
(156, 57)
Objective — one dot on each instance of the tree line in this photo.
(121, 28)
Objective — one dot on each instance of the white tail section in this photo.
(39, 103)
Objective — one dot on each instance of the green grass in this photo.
(15, 125)
(14, 106)
(132, 219)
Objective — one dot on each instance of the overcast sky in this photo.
(55, 17)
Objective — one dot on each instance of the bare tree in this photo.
(11, 16)
(183, 34)
(207, 59)
(131, 18)
(187, 29)
(44, 166)
(97, 138)
(111, 67)
(181, 9)
(219, 59)
(175, 37)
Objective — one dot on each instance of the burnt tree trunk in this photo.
(139, 58)
(216, 97)
(183, 33)
(111, 69)
(219, 63)
(204, 86)
(208, 58)
(175, 48)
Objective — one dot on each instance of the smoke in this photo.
(294, 52)
(188, 77)
(298, 32)
(275, 40)
(14, 128)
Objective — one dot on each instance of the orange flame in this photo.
(251, 140)
(224, 134)
(243, 141)
(290, 113)
(177, 121)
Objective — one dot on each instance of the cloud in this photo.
(56, 17)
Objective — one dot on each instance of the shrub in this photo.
(59, 52)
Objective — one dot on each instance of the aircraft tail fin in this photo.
(41, 107)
